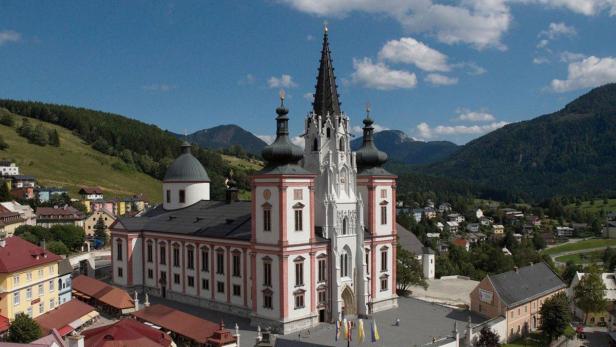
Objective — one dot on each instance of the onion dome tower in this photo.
(282, 156)
(186, 181)
(368, 157)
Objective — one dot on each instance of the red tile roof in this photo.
(63, 315)
(187, 325)
(5, 323)
(102, 292)
(91, 190)
(126, 332)
(18, 254)
(460, 242)
(67, 212)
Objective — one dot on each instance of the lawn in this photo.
(582, 258)
(533, 340)
(75, 164)
(597, 205)
(580, 246)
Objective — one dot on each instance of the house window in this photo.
(299, 273)
(119, 250)
(16, 280)
(120, 272)
(16, 299)
(191, 281)
(163, 255)
(220, 262)
(205, 284)
(267, 273)
(297, 194)
(267, 299)
(149, 252)
(163, 277)
(168, 193)
(267, 219)
(383, 193)
(205, 260)
(299, 300)
(29, 311)
(41, 290)
(29, 294)
(150, 273)
(298, 220)
(321, 270)
(383, 214)
(176, 256)
(190, 254)
(236, 265)
(41, 308)
(237, 290)
(182, 196)
(384, 259)
(384, 283)
(322, 298)
(221, 287)
(40, 273)
(29, 277)
(52, 303)
(176, 278)
(367, 262)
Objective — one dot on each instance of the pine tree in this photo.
(24, 329)
(100, 231)
(40, 136)
(5, 194)
(54, 138)
(3, 144)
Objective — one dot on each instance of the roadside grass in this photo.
(582, 258)
(580, 246)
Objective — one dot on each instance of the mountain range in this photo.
(224, 136)
(568, 152)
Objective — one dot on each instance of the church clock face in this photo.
(267, 194)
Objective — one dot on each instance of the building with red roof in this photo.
(186, 328)
(126, 332)
(67, 317)
(50, 216)
(97, 293)
(28, 278)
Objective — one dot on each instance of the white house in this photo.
(8, 168)
(452, 227)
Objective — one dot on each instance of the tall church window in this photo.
(315, 145)
(267, 217)
(299, 217)
(384, 252)
(182, 196)
(384, 283)
(384, 213)
(329, 133)
(344, 226)
(190, 257)
(341, 144)
(299, 299)
(150, 252)
(267, 298)
(168, 193)
(344, 264)
(236, 264)
(322, 270)
(163, 254)
(220, 262)
(267, 272)
(205, 260)
(119, 249)
(176, 255)
(299, 271)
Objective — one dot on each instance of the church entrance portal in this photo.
(348, 298)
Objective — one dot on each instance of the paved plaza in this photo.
(420, 321)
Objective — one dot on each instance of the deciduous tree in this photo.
(23, 329)
(555, 316)
(588, 295)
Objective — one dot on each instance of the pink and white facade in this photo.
(316, 242)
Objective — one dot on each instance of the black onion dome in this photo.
(370, 159)
(283, 153)
(186, 168)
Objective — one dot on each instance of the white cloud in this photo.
(440, 80)
(247, 80)
(269, 139)
(8, 36)
(425, 131)
(558, 29)
(589, 72)
(159, 87)
(585, 7)
(474, 116)
(284, 81)
(471, 68)
(569, 57)
(410, 51)
(543, 43)
(298, 141)
(380, 76)
(480, 23)
(540, 60)
(309, 37)
(359, 130)
(309, 96)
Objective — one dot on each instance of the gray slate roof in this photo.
(215, 219)
(64, 267)
(411, 243)
(528, 283)
(186, 168)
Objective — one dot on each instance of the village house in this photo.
(8, 168)
(66, 318)
(125, 332)
(25, 211)
(605, 318)
(444, 207)
(22, 187)
(429, 212)
(28, 278)
(563, 231)
(50, 216)
(417, 214)
(425, 255)
(517, 296)
(462, 243)
(456, 217)
(472, 227)
(9, 221)
(110, 299)
(46, 194)
(498, 230)
(90, 222)
(452, 227)
(65, 273)
(91, 193)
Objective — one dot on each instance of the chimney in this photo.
(75, 340)
(136, 300)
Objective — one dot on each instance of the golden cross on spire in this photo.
(368, 108)
(325, 25)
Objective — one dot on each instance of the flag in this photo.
(345, 326)
(360, 330)
(375, 332)
(350, 331)
(337, 330)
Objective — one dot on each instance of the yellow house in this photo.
(91, 221)
(28, 278)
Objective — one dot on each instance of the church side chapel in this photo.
(316, 243)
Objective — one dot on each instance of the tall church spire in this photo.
(326, 95)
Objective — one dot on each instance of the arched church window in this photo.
(341, 144)
(344, 226)
(329, 133)
(315, 145)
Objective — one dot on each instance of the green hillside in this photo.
(74, 164)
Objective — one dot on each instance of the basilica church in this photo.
(317, 241)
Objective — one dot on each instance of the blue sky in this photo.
(449, 70)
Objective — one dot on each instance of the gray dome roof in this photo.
(186, 168)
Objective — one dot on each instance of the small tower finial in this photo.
(325, 26)
(282, 94)
(368, 108)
